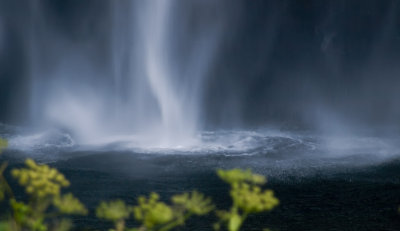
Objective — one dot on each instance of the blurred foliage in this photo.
(47, 208)
(46, 205)
(40, 181)
(157, 215)
(4, 187)
(68, 204)
(3, 144)
(116, 211)
(247, 197)
(151, 212)
(194, 202)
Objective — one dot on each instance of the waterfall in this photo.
(151, 88)
(159, 75)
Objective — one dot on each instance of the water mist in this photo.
(152, 95)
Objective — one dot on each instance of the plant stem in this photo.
(4, 181)
(120, 225)
(175, 223)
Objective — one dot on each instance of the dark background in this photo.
(300, 63)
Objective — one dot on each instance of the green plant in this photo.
(3, 144)
(4, 187)
(116, 211)
(47, 207)
(247, 197)
(154, 214)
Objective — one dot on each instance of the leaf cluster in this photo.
(154, 214)
(47, 205)
(247, 195)
(40, 181)
(4, 187)
(3, 144)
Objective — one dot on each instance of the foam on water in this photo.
(41, 143)
(280, 145)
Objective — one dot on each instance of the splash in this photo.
(151, 87)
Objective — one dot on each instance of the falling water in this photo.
(134, 74)
(151, 96)
(158, 74)
(175, 119)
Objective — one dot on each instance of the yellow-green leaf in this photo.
(234, 222)
(3, 144)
